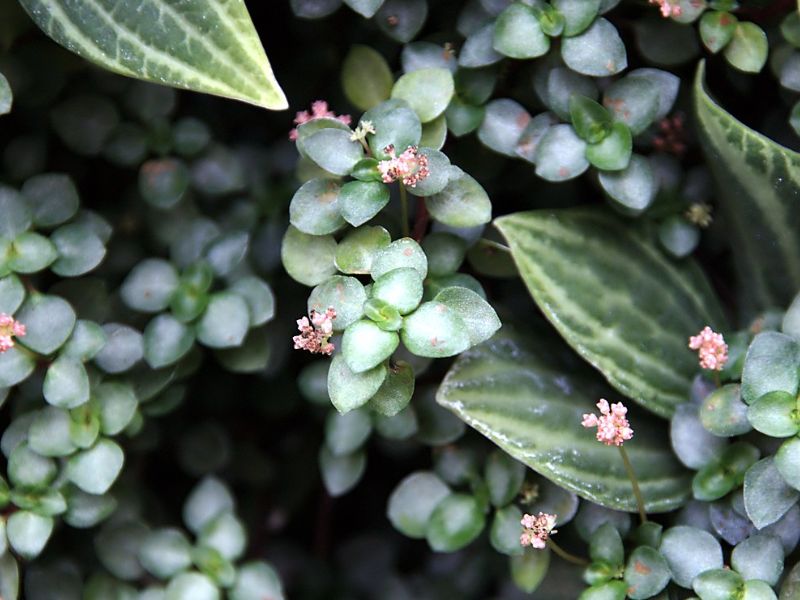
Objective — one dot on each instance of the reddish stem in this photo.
(421, 219)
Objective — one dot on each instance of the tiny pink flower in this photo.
(669, 8)
(314, 335)
(9, 329)
(410, 167)
(612, 425)
(711, 349)
(537, 529)
(319, 110)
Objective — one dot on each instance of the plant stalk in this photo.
(634, 483)
(404, 211)
(567, 556)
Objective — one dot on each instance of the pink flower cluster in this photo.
(314, 335)
(319, 110)
(9, 329)
(711, 348)
(410, 167)
(537, 529)
(612, 425)
(667, 8)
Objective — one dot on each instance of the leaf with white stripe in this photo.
(208, 46)
(616, 298)
(759, 185)
(527, 394)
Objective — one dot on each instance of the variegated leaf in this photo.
(759, 196)
(527, 393)
(207, 46)
(622, 304)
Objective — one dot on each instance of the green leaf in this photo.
(503, 124)
(427, 92)
(355, 252)
(504, 477)
(528, 398)
(476, 313)
(597, 52)
(400, 288)
(716, 29)
(17, 216)
(649, 363)
(633, 100)
(31, 252)
(308, 259)
(395, 124)
(259, 297)
(197, 45)
(209, 498)
(116, 403)
(759, 557)
(505, 531)
(517, 33)
(767, 496)
(748, 48)
(646, 573)
(349, 390)
(345, 294)
(191, 586)
(404, 252)
(346, 433)
(6, 99)
(723, 413)
(614, 152)
(689, 551)
(9, 577)
(150, 285)
(365, 345)
(227, 252)
(165, 552)
(759, 186)
(27, 469)
(52, 198)
(578, 14)
(163, 182)
(359, 201)
(591, 121)
(395, 392)
(255, 581)
(315, 207)
(461, 203)
(225, 322)
(49, 321)
(529, 569)
(366, 77)
(28, 533)
(79, 250)
(439, 170)
(435, 330)
(225, 534)
(340, 474)
(366, 8)
(123, 348)
(49, 433)
(561, 154)
(770, 365)
(66, 384)
(95, 470)
(333, 150)
(774, 414)
(455, 522)
(12, 293)
(718, 584)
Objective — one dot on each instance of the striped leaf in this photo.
(759, 185)
(207, 46)
(527, 394)
(623, 305)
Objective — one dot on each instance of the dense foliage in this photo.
(507, 306)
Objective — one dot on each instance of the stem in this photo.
(567, 556)
(717, 380)
(421, 220)
(404, 210)
(634, 483)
